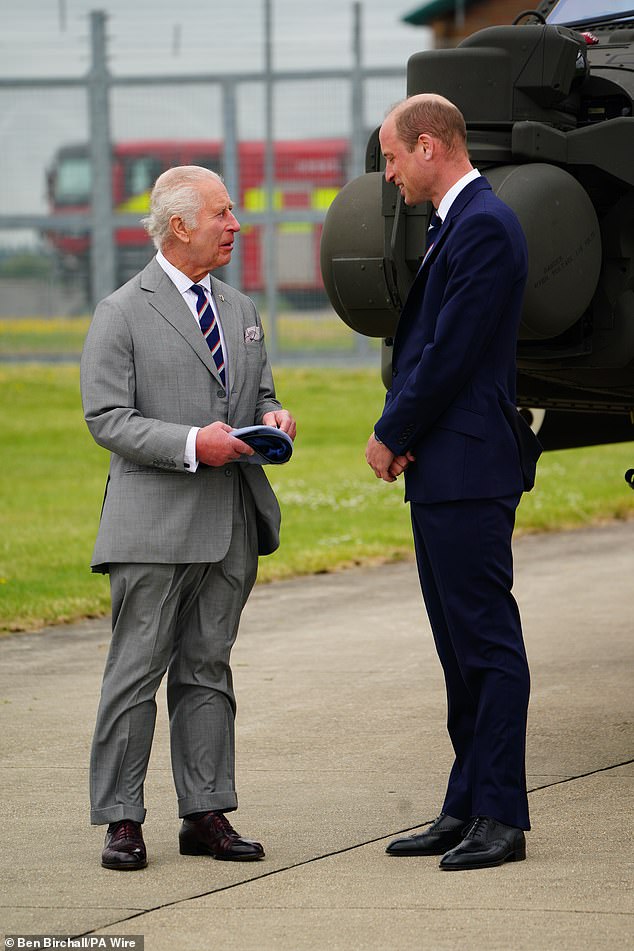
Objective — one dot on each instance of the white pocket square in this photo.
(252, 333)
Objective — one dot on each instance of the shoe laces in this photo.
(125, 830)
(478, 828)
(222, 824)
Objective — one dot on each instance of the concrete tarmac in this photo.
(341, 746)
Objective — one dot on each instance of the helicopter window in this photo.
(590, 11)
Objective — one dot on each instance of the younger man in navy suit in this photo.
(450, 425)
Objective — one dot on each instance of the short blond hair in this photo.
(434, 115)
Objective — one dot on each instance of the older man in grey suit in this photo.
(173, 361)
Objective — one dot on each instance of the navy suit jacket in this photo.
(454, 362)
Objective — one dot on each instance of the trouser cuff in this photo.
(99, 817)
(216, 802)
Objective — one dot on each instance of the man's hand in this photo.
(382, 460)
(400, 464)
(215, 447)
(281, 419)
(379, 458)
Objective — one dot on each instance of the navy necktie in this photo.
(209, 327)
(435, 224)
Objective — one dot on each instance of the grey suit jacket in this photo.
(147, 377)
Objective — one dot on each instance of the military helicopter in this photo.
(549, 108)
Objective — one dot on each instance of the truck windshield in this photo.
(140, 174)
(576, 12)
(73, 181)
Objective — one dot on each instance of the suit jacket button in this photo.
(221, 394)
(228, 471)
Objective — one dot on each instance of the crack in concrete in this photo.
(350, 848)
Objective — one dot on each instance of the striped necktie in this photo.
(209, 327)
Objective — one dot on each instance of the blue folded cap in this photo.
(271, 446)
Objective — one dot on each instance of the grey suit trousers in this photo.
(183, 619)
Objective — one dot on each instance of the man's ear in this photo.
(179, 229)
(426, 145)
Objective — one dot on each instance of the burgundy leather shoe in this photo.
(124, 848)
(213, 834)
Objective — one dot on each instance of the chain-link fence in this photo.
(92, 145)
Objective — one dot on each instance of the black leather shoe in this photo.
(443, 834)
(213, 834)
(124, 848)
(487, 843)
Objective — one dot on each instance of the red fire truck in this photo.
(308, 174)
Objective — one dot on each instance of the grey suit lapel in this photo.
(168, 301)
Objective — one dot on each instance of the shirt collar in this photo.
(182, 282)
(449, 197)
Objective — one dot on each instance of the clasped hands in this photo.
(215, 447)
(383, 462)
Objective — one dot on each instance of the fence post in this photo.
(102, 252)
(270, 230)
(362, 344)
(357, 165)
(231, 174)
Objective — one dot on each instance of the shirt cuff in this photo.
(191, 461)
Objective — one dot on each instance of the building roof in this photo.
(432, 10)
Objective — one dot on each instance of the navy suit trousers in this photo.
(465, 565)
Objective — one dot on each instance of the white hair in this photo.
(176, 192)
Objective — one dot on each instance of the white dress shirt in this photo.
(449, 197)
(183, 284)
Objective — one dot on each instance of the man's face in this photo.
(408, 170)
(211, 241)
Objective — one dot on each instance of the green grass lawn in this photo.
(296, 331)
(42, 335)
(335, 513)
